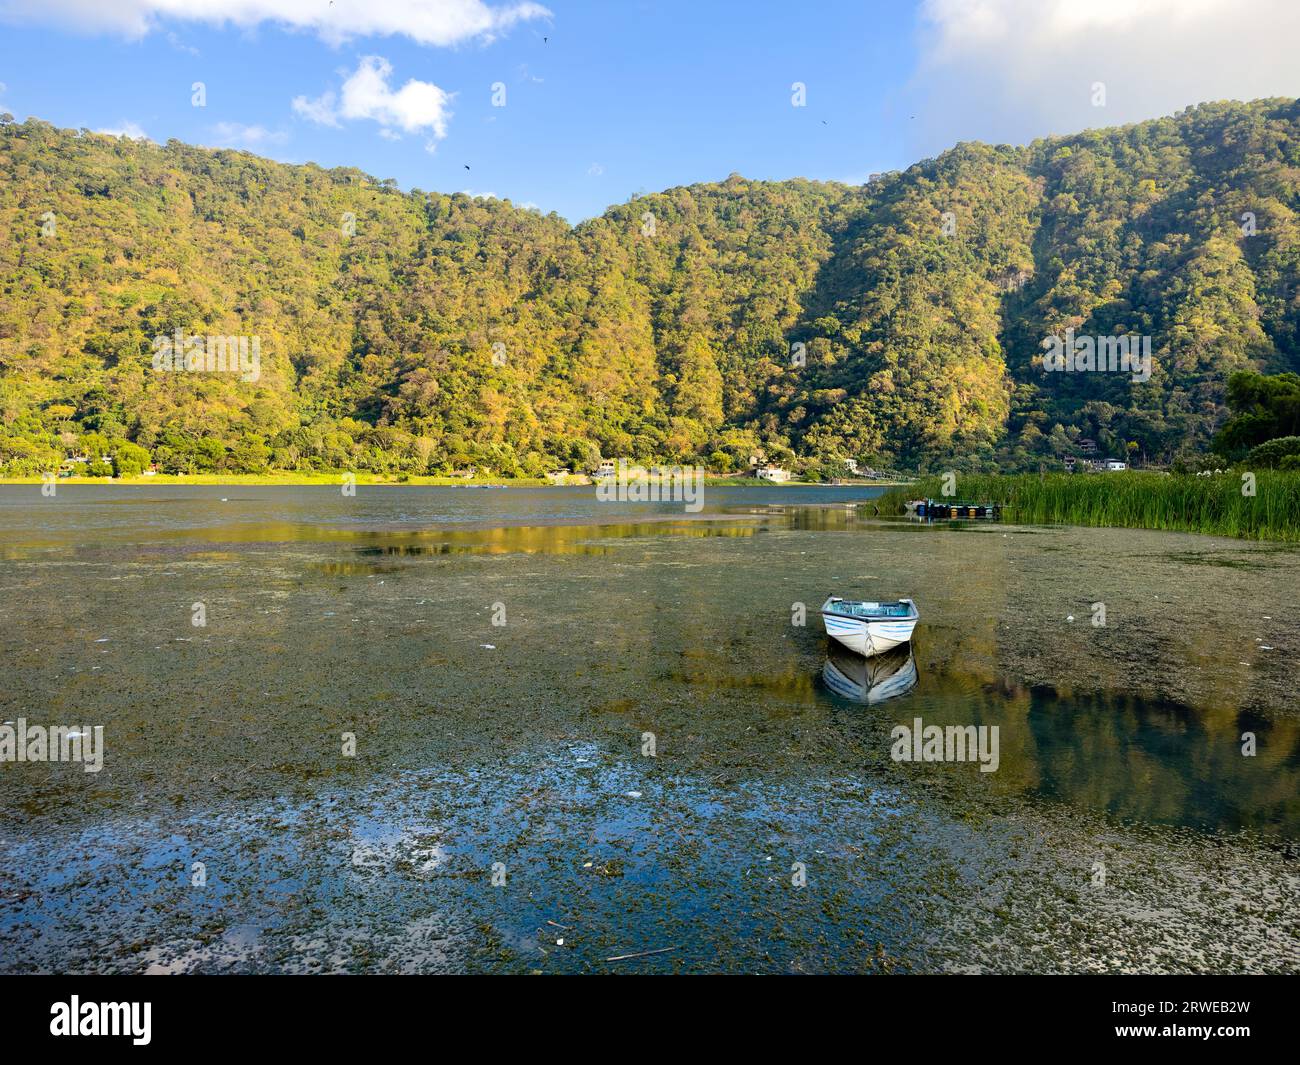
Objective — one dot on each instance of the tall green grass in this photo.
(1134, 500)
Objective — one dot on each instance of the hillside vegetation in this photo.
(899, 323)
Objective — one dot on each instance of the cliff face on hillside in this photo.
(899, 322)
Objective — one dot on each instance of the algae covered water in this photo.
(454, 729)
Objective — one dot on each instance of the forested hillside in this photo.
(899, 323)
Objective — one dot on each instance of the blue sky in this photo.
(603, 100)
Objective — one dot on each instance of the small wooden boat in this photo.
(869, 628)
(870, 680)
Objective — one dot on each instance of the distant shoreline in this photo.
(334, 480)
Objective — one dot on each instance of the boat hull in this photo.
(866, 636)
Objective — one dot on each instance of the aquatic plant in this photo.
(1254, 505)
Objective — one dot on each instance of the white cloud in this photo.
(127, 129)
(1011, 70)
(180, 45)
(417, 107)
(432, 22)
(595, 170)
(238, 135)
(320, 110)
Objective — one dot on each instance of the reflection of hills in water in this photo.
(1135, 755)
(1136, 758)
(870, 680)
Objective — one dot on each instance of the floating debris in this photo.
(640, 954)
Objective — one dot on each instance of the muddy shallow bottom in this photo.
(617, 735)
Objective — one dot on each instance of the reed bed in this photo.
(1214, 504)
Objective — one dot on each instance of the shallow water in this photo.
(1123, 828)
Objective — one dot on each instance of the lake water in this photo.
(506, 659)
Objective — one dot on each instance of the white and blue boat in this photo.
(869, 628)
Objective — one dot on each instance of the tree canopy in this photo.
(899, 322)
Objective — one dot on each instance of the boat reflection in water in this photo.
(869, 680)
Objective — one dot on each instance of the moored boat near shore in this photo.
(869, 628)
